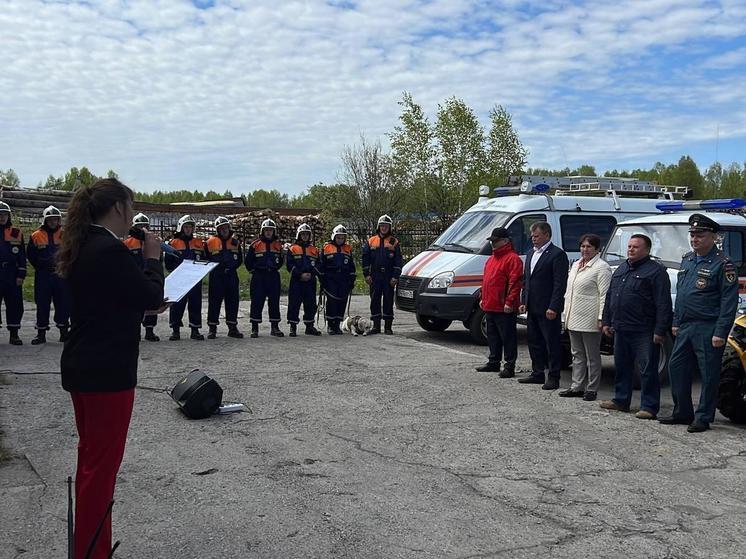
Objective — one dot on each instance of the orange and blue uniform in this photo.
(337, 272)
(264, 260)
(302, 258)
(187, 248)
(12, 268)
(223, 278)
(135, 247)
(48, 286)
(382, 261)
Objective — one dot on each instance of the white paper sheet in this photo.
(182, 279)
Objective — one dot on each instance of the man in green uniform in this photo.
(706, 304)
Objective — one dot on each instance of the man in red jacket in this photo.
(501, 293)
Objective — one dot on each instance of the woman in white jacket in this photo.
(584, 305)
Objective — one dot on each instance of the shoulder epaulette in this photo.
(688, 254)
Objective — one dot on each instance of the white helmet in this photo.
(385, 219)
(4, 207)
(339, 230)
(268, 224)
(221, 221)
(140, 219)
(303, 228)
(50, 211)
(183, 220)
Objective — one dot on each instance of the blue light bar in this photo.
(506, 190)
(541, 187)
(721, 204)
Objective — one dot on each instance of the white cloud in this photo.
(258, 93)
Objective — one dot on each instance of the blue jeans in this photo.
(632, 348)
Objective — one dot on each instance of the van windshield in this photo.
(670, 242)
(469, 232)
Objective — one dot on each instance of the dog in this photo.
(356, 325)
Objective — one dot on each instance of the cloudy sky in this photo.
(243, 94)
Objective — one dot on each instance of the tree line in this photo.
(432, 170)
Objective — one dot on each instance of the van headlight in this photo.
(441, 282)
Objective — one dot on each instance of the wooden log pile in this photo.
(26, 202)
(247, 225)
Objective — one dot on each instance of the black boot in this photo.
(376, 327)
(331, 327)
(150, 335)
(311, 330)
(41, 337)
(195, 335)
(509, 370)
(387, 328)
(254, 329)
(337, 330)
(14, 339)
(293, 330)
(64, 332)
(275, 330)
(233, 331)
(175, 334)
(212, 332)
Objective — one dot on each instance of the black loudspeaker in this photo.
(198, 395)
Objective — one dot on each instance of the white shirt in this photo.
(107, 229)
(536, 255)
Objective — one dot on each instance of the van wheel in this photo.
(664, 356)
(478, 327)
(731, 399)
(432, 324)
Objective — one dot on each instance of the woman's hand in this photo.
(165, 305)
(151, 246)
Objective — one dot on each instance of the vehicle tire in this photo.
(731, 402)
(478, 327)
(663, 359)
(432, 324)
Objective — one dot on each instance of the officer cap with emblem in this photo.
(699, 223)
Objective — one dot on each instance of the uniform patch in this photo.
(14, 250)
(730, 275)
(701, 283)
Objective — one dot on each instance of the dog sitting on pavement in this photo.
(356, 325)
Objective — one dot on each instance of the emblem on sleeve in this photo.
(730, 276)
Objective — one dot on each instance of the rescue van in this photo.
(443, 284)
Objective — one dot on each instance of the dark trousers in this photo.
(381, 289)
(337, 289)
(544, 344)
(223, 287)
(102, 420)
(693, 351)
(12, 295)
(302, 292)
(502, 337)
(150, 320)
(194, 300)
(265, 286)
(49, 288)
(636, 348)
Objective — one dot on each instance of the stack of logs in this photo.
(247, 225)
(32, 202)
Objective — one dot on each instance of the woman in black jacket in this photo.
(109, 294)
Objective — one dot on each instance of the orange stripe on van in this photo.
(422, 263)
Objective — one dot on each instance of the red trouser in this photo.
(102, 419)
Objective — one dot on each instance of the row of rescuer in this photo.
(332, 266)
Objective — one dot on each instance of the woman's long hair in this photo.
(89, 203)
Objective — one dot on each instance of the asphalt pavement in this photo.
(383, 446)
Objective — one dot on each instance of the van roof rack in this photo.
(579, 184)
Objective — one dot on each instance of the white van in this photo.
(443, 283)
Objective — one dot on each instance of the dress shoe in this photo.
(644, 414)
(570, 393)
(532, 379)
(507, 373)
(671, 420)
(589, 396)
(612, 405)
(551, 384)
(488, 368)
(697, 427)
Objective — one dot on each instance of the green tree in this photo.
(262, 198)
(461, 155)
(9, 178)
(505, 153)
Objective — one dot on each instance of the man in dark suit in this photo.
(543, 299)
